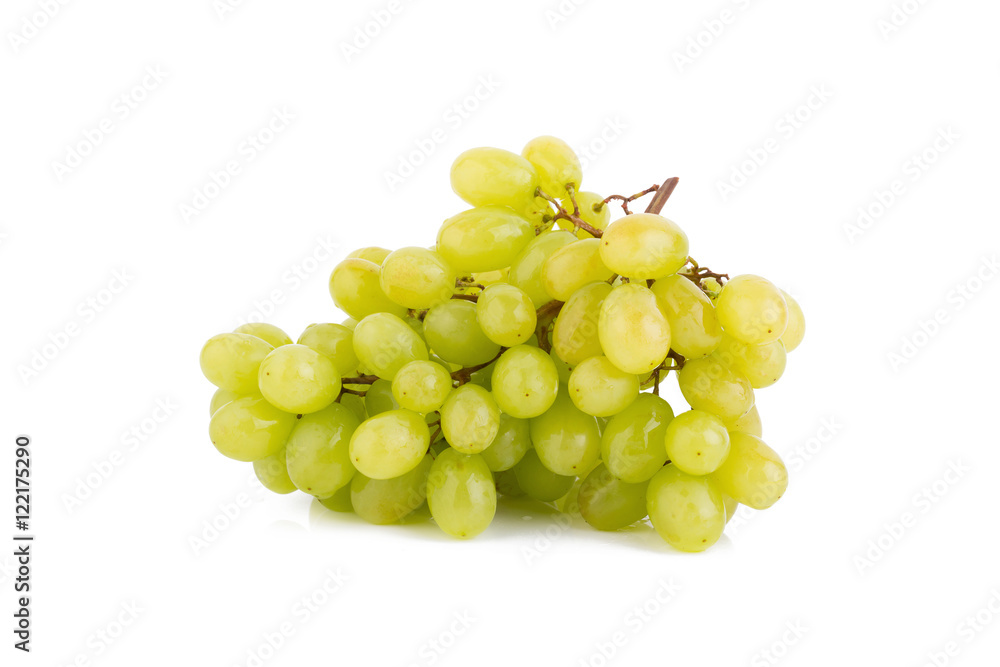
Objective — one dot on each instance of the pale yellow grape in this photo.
(470, 419)
(506, 314)
(731, 507)
(249, 429)
(556, 163)
(697, 442)
(487, 278)
(385, 501)
(379, 398)
(232, 361)
(385, 343)
(512, 441)
(417, 278)
(390, 444)
(753, 474)
(483, 239)
(334, 341)
(694, 328)
(752, 310)
(562, 368)
(525, 382)
(644, 246)
(747, 423)
(452, 330)
(709, 384)
(572, 266)
(526, 270)
(354, 286)
(632, 443)
(318, 451)
(268, 332)
(220, 398)
(350, 323)
(537, 481)
(599, 388)
(461, 493)
(356, 404)
(763, 364)
(593, 211)
(371, 253)
(575, 336)
(298, 379)
(607, 503)
(688, 512)
(339, 501)
(538, 212)
(272, 473)
(485, 176)
(566, 439)
(796, 329)
(634, 334)
(421, 386)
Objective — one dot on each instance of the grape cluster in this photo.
(521, 355)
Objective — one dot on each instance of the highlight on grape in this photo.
(520, 355)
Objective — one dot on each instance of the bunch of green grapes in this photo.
(521, 355)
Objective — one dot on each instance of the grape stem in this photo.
(361, 379)
(467, 282)
(662, 195)
(545, 315)
(345, 390)
(463, 375)
(697, 273)
(627, 200)
(466, 297)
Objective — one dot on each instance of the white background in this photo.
(861, 559)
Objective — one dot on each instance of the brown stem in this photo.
(361, 379)
(563, 214)
(627, 200)
(463, 375)
(662, 195)
(545, 315)
(466, 297)
(345, 390)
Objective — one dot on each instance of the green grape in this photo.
(749, 422)
(250, 429)
(634, 334)
(350, 323)
(272, 472)
(461, 494)
(694, 328)
(220, 398)
(525, 382)
(539, 482)
(709, 384)
(506, 314)
(231, 361)
(339, 501)
(598, 388)
(484, 377)
(319, 458)
(379, 398)
(644, 246)
(763, 364)
(731, 507)
(556, 163)
(632, 442)
(384, 343)
(697, 442)
(453, 332)
(796, 329)
(593, 211)
(356, 404)
(538, 212)
(487, 278)
(334, 341)
(526, 269)
(385, 501)
(512, 440)
(372, 254)
(298, 379)
(572, 266)
(570, 503)
(607, 503)
(390, 444)
(485, 176)
(562, 368)
(354, 286)
(711, 287)
(752, 310)
(417, 278)
(484, 239)
(753, 474)
(688, 512)
(470, 419)
(575, 336)
(421, 386)
(506, 483)
(265, 331)
(566, 439)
